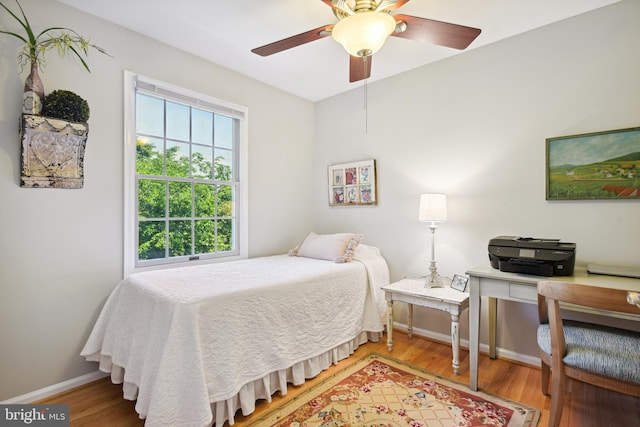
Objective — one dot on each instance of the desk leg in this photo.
(493, 309)
(389, 325)
(410, 320)
(455, 341)
(474, 330)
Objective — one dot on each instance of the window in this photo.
(184, 191)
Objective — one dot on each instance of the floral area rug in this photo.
(379, 391)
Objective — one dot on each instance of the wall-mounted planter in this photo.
(52, 152)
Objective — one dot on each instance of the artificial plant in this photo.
(65, 40)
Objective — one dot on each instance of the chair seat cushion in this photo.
(605, 350)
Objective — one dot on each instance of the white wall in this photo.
(474, 127)
(61, 250)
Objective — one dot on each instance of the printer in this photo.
(527, 255)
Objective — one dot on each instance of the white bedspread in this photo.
(184, 338)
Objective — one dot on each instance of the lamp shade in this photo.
(433, 207)
(364, 33)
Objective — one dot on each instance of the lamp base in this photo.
(433, 282)
(433, 278)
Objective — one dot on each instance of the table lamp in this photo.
(433, 209)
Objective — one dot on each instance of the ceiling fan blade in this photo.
(359, 68)
(436, 32)
(328, 3)
(293, 41)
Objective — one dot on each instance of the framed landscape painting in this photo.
(353, 184)
(599, 165)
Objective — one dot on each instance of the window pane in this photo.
(202, 127)
(178, 159)
(205, 231)
(223, 162)
(225, 235)
(186, 176)
(177, 121)
(149, 156)
(179, 199)
(201, 161)
(223, 132)
(179, 238)
(205, 200)
(151, 240)
(152, 199)
(149, 115)
(225, 201)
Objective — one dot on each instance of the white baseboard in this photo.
(464, 343)
(51, 390)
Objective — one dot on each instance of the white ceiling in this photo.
(225, 31)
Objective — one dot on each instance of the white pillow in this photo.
(337, 247)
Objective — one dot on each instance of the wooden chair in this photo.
(600, 355)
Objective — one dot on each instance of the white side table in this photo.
(413, 291)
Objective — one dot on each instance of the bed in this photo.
(192, 345)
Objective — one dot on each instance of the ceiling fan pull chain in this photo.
(366, 102)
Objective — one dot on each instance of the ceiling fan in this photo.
(364, 25)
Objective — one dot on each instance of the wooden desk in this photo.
(495, 284)
(413, 291)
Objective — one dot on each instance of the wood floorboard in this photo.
(100, 403)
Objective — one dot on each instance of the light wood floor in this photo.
(101, 404)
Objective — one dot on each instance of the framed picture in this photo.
(353, 184)
(600, 165)
(459, 283)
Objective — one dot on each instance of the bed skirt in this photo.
(262, 388)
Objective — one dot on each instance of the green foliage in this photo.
(173, 202)
(66, 105)
(65, 40)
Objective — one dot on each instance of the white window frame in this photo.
(130, 204)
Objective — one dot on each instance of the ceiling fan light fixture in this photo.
(364, 33)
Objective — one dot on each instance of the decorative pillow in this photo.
(337, 247)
